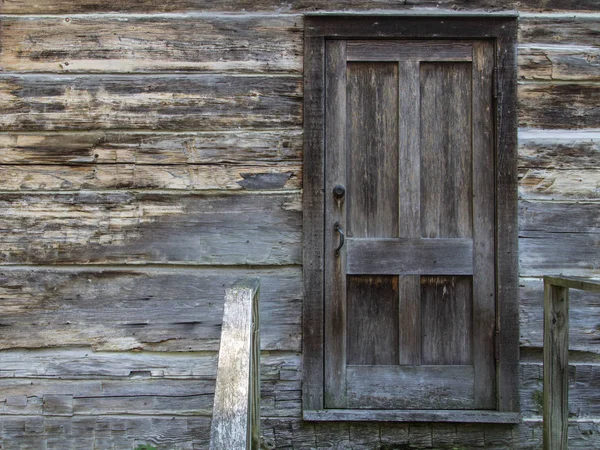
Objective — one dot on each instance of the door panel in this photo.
(410, 306)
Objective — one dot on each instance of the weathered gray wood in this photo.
(191, 42)
(486, 417)
(408, 51)
(580, 30)
(446, 148)
(133, 176)
(84, 363)
(235, 403)
(260, 147)
(171, 310)
(551, 105)
(559, 217)
(558, 238)
(585, 284)
(372, 320)
(559, 149)
(335, 304)
(556, 362)
(175, 102)
(410, 387)
(160, 228)
(146, 6)
(409, 220)
(410, 256)
(484, 278)
(312, 224)
(447, 326)
(584, 317)
(555, 62)
(507, 264)
(372, 207)
(550, 184)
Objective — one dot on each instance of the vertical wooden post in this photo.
(236, 413)
(556, 366)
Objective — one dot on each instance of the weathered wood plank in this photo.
(129, 227)
(552, 62)
(559, 238)
(191, 42)
(408, 51)
(559, 149)
(158, 310)
(546, 105)
(235, 404)
(410, 387)
(548, 217)
(584, 317)
(101, 147)
(556, 360)
(84, 363)
(125, 431)
(580, 30)
(133, 176)
(410, 256)
(549, 184)
(201, 102)
(146, 6)
(313, 201)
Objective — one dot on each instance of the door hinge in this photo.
(495, 82)
(497, 345)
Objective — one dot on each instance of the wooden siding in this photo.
(122, 140)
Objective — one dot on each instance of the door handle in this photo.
(337, 227)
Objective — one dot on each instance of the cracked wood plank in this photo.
(136, 309)
(132, 228)
(217, 43)
(163, 102)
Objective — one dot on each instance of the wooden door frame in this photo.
(502, 29)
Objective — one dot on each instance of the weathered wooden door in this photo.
(410, 306)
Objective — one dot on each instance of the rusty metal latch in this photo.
(337, 227)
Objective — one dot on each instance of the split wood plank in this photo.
(242, 147)
(165, 43)
(157, 310)
(129, 227)
(164, 102)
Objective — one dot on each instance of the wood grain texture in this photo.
(118, 309)
(146, 6)
(549, 184)
(556, 367)
(560, 149)
(410, 387)
(235, 402)
(551, 106)
(559, 62)
(410, 256)
(133, 176)
(175, 102)
(129, 227)
(558, 238)
(447, 321)
(313, 218)
(335, 339)
(262, 147)
(372, 320)
(584, 316)
(579, 30)
(217, 43)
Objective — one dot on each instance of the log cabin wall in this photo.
(151, 154)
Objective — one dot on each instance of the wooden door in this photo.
(410, 306)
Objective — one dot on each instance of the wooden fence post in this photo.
(236, 412)
(556, 366)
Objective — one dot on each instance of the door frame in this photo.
(501, 28)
